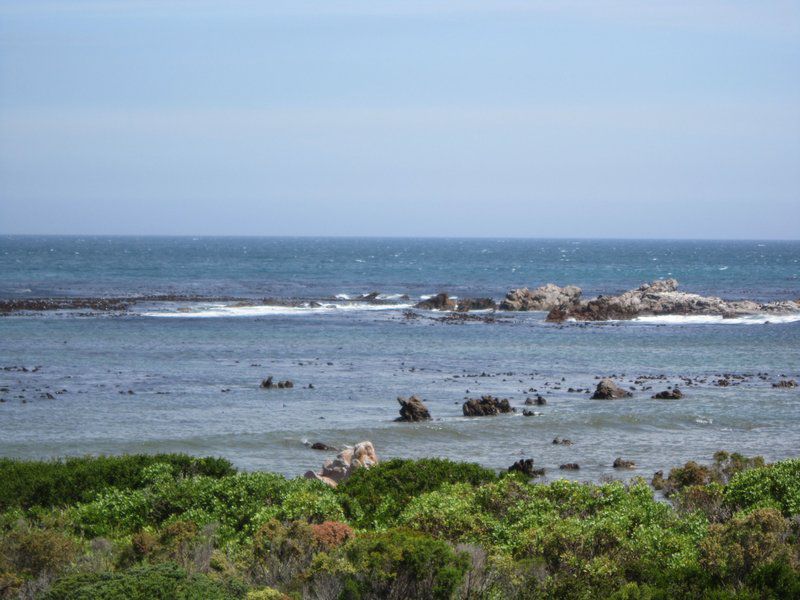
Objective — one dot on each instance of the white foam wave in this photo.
(226, 310)
(342, 297)
(759, 319)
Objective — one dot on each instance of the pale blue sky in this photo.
(604, 118)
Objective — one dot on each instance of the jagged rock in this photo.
(785, 383)
(663, 298)
(438, 302)
(546, 297)
(412, 409)
(620, 463)
(608, 390)
(529, 413)
(486, 406)
(468, 304)
(362, 455)
(673, 394)
(570, 467)
(538, 401)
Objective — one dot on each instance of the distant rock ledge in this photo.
(663, 298)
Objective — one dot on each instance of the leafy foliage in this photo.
(64, 482)
(375, 497)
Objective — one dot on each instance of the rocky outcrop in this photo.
(621, 463)
(412, 409)
(486, 406)
(673, 394)
(438, 302)
(662, 298)
(608, 390)
(546, 297)
(362, 455)
(570, 467)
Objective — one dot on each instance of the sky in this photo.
(604, 118)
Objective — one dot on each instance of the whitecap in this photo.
(227, 310)
(759, 319)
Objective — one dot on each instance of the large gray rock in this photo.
(412, 409)
(608, 390)
(546, 297)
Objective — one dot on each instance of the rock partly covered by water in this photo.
(546, 297)
(269, 383)
(412, 409)
(608, 390)
(443, 301)
(673, 394)
(468, 304)
(785, 383)
(438, 302)
(663, 298)
(362, 455)
(486, 406)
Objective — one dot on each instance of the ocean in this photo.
(182, 375)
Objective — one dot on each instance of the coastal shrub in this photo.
(27, 551)
(776, 485)
(448, 512)
(65, 482)
(145, 582)
(238, 503)
(394, 563)
(375, 497)
(724, 467)
(280, 553)
(735, 552)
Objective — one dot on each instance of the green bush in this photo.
(65, 482)
(394, 564)
(238, 503)
(147, 582)
(375, 497)
(776, 485)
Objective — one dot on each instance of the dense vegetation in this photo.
(172, 526)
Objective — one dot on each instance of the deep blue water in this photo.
(360, 360)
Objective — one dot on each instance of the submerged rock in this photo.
(608, 390)
(412, 409)
(486, 406)
(621, 463)
(546, 297)
(673, 394)
(570, 467)
(785, 383)
(321, 446)
(538, 401)
(468, 304)
(269, 383)
(362, 455)
(562, 441)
